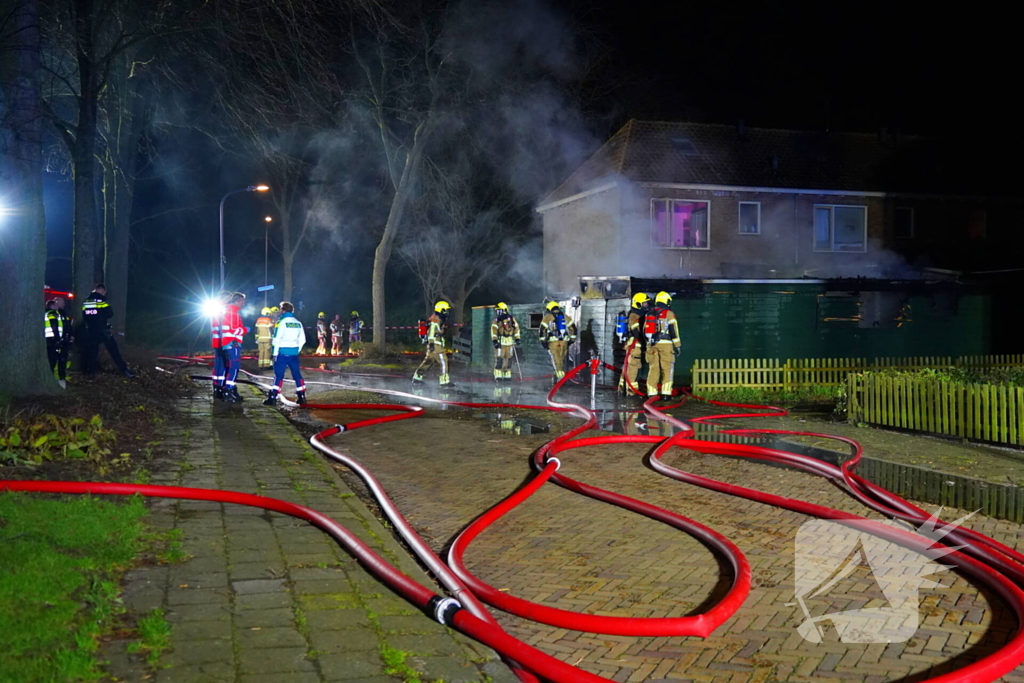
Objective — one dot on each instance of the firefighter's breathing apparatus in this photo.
(621, 327)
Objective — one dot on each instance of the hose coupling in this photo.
(558, 463)
(443, 609)
(340, 428)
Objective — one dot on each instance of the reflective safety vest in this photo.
(50, 316)
(264, 329)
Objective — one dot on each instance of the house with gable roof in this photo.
(701, 201)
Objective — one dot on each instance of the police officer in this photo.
(96, 313)
(434, 339)
(58, 338)
(504, 334)
(264, 335)
(661, 329)
(557, 331)
(634, 341)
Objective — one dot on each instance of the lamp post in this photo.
(266, 255)
(251, 188)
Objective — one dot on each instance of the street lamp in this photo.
(251, 188)
(266, 254)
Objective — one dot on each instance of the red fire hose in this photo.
(983, 558)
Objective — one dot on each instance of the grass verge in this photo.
(62, 559)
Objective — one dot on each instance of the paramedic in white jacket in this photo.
(288, 341)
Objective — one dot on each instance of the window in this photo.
(680, 223)
(977, 224)
(684, 146)
(840, 228)
(535, 319)
(904, 222)
(750, 218)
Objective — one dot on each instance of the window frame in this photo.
(668, 214)
(913, 223)
(739, 225)
(832, 229)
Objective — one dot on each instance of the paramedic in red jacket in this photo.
(232, 330)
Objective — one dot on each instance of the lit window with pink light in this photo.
(680, 223)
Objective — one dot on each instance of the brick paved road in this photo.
(266, 598)
(571, 552)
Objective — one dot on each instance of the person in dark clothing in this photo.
(96, 313)
(58, 338)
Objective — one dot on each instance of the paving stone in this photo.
(262, 601)
(357, 640)
(215, 672)
(265, 637)
(293, 677)
(257, 570)
(197, 596)
(202, 630)
(201, 652)
(200, 612)
(322, 586)
(265, 618)
(316, 574)
(191, 580)
(241, 556)
(258, 586)
(274, 660)
(423, 644)
(344, 667)
(144, 600)
(337, 619)
(448, 669)
(409, 624)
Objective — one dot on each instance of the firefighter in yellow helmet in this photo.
(264, 335)
(504, 336)
(633, 340)
(434, 340)
(661, 331)
(557, 331)
(321, 334)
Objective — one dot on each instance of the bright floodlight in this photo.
(262, 188)
(211, 308)
(268, 219)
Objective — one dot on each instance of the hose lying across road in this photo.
(999, 567)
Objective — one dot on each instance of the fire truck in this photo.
(53, 293)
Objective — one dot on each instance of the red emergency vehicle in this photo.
(52, 293)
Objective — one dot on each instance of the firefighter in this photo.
(336, 335)
(321, 334)
(557, 331)
(97, 314)
(661, 330)
(504, 334)
(232, 331)
(289, 339)
(433, 337)
(58, 338)
(264, 335)
(355, 329)
(632, 337)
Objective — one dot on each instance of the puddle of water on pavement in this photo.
(511, 424)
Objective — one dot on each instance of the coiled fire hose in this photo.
(983, 558)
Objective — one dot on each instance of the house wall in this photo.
(579, 235)
(784, 248)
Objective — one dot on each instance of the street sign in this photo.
(267, 288)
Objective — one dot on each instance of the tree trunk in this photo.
(23, 364)
(381, 256)
(288, 259)
(125, 122)
(83, 157)
(459, 303)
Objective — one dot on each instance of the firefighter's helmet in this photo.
(640, 298)
(355, 314)
(265, 311)
(552, 305)
(274, 310)
(321, 314)
(663, 298)
(502, 306)
(442, 307)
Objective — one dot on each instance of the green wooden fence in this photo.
(795, 373)
(986, 412)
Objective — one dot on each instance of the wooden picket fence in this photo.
(986, 412)
(796, 373)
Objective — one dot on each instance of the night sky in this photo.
(842, 67)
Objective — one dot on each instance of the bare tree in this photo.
(466, 224)
(22, 225)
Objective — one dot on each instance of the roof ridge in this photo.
(630, 125)
(582, 166)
